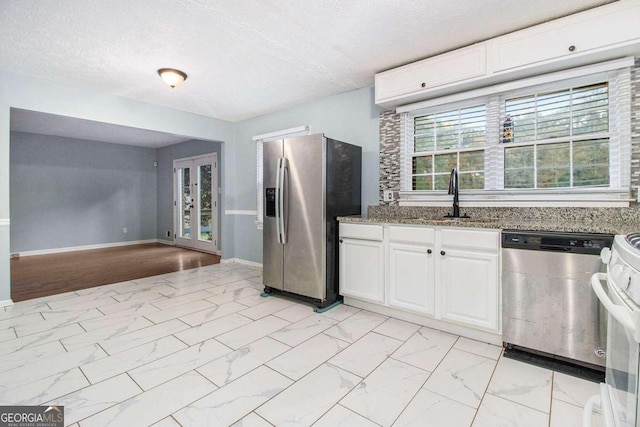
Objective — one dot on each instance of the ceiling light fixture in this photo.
(172, 77)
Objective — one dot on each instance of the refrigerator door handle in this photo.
(284, 165)
(278, 197)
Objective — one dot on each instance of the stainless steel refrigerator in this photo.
(308, 182)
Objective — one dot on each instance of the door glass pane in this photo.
(205, 203)
(184, 198)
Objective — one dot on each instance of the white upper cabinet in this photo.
(576, 35)
(448, 68)
(604, 33)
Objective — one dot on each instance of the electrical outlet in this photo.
(387, 195)
(168, 233)
(124, 230)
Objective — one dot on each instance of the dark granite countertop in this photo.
(609, 227)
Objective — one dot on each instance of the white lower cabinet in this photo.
(411, 278)
(469, 287)
(361, 267)
(442, 274)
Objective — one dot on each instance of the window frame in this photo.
(494, 193)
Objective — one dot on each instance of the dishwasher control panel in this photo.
(561, 242)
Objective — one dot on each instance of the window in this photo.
(567, 137)
(557, 139)
(436, 135)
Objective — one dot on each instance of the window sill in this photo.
(601, 197)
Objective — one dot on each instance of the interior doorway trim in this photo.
(196, 205)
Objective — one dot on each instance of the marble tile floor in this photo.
(201, 347)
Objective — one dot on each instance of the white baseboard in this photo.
(241, 261)
(6, 303)
(82, 248)
(166, 242)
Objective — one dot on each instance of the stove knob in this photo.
(605, 255)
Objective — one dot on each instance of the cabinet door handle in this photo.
(572, 48)
(442, 253)
(423, 84)
(340, 240)
(429, 251)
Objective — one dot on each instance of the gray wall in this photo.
(166, 156)
(69, 192)
(351, 117)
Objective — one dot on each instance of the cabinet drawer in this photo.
(361, 231)
(472, 239)
(419, 235)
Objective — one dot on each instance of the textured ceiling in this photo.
(246, 57)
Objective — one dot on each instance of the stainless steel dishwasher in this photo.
(548, 307)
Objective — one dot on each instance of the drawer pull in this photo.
(572, 48)
(429, 251)
(443, 253)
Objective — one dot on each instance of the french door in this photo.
(196, 202)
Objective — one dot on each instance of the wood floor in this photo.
(43, 275)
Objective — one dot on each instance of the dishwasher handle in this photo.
(555, 248)
(620, 313)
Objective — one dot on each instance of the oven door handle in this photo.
(620, 313)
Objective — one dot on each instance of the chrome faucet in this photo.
(453, 189)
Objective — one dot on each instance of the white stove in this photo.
(621, 297)
(624, 266)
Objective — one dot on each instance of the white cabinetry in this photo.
(448, 68)
(575, 35)
(600, 34)
(469, 266)
(447, 278)
(362, 262)
(411, 269)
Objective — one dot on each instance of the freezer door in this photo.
(304, 216)
(272, 251)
